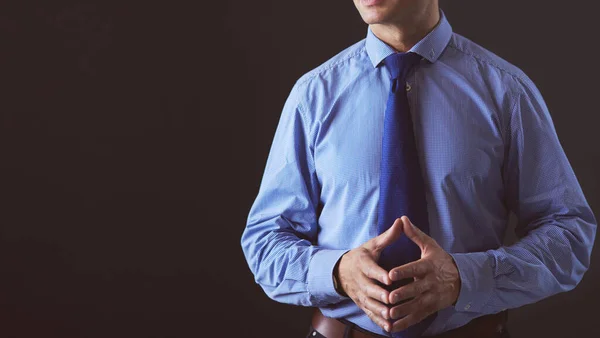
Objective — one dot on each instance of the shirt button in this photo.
(408, 87)
(468, 306)
(314, 333)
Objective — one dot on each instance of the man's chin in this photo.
(374, 17)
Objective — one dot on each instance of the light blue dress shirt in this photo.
(487, 145)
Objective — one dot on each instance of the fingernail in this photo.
(396, 298)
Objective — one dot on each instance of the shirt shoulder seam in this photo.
(319, 70)
(486, 61)
(314, 73)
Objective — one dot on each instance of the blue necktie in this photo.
(402, 190)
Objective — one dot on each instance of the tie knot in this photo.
(399, 64)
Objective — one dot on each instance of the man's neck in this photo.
(403, 34)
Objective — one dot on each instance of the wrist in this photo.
(456, 284)
(336, 279)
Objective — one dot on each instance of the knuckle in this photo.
(363, 299)
(397, 311)
(364, 287)
(373, 291)
(367, 248)
(360, 251)
(394, 313)
(364, 257)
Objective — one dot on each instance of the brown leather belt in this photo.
(488, 326)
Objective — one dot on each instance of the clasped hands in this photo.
(436, 279)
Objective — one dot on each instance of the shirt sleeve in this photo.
(281, 229)
(556, 227)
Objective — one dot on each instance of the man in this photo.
(486, 145)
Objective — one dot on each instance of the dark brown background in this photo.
(133, 137)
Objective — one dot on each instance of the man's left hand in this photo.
(436, 281)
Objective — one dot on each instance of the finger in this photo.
(372, 290)
(416, 309)
(376, 307)
(378, 243)
(411, 290)
(372, 270)
(415, 234)
(405, 309)
(406, 322)
(384, 324)
(416, 268)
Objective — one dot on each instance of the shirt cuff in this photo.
(320, 277)
(476, 281)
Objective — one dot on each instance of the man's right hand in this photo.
(358, 273)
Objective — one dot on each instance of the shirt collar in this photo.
(429, 47)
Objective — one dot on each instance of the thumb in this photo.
(415, 234)
(389, 236)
